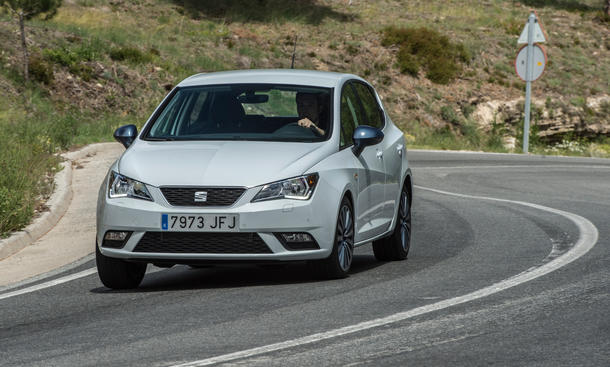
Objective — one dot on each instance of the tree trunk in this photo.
(24, 45)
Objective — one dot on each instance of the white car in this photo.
(261, 166)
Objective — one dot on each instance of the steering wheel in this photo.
(293, 128)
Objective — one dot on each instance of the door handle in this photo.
(379, 154)
(399, 149)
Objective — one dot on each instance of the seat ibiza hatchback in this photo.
(260, 166)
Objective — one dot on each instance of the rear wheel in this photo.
(117, 273)
(339, 262)
(396, 246)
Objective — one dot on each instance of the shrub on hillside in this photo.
(130, 54)
(426, 48)
(449, 115)
(40, 70)
(61, 56)
(73, 59)
(407, 62)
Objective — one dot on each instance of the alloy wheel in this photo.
(345, 238)
(404, 221)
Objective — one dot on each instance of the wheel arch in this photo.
(408, 180)
(348, 193)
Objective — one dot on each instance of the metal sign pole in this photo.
(528, 80)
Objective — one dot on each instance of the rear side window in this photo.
(373, 113)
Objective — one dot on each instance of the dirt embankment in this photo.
(552, 120)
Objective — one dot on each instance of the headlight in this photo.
(298, 188)
(120, 186)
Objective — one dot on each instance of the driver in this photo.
(309, 112)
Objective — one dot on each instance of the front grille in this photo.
(202, 243)
(215, 196)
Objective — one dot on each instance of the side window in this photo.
(351, 115)
(374, 116)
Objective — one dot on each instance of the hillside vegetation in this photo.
(97, 65)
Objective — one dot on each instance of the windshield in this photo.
(245, 112)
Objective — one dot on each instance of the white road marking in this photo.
(517, 155)
(587, 239)
(61, 280)
(535, 167)
(48, 284)
(48, 274)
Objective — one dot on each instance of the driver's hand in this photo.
(306, 123)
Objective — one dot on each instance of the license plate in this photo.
(200, 222)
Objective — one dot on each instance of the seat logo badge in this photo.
(201, 196)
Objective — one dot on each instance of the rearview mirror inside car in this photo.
(251, 98)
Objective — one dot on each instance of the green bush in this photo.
(425, 47)
(442, 72)
(449, 115)
(85, 71)
(74, 59)
(130, 54)
(467, 110)
(407, 62)
(62, 56)
(40, 70)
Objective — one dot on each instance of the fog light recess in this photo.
(298, 241)
(116, 239)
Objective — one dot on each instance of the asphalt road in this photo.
(448, 304)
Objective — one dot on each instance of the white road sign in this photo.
(538, 34)
(539, 56)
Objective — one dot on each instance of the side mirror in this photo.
(126, 134)
(364, 136)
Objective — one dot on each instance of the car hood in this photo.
(218, 163)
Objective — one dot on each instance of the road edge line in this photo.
(50, 283)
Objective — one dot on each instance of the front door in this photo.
(391, 147)
(371, 174)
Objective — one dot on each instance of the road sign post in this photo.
(528, 81)
(531, 33)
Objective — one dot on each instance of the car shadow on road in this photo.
(182, 277)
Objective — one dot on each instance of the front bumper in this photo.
(316, 216)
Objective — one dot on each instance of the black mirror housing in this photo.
(126, 135)
(364, 136)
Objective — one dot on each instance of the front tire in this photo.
(338, 264)
(117, 273)
(396, 246)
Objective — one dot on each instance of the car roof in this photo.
(270, 76)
